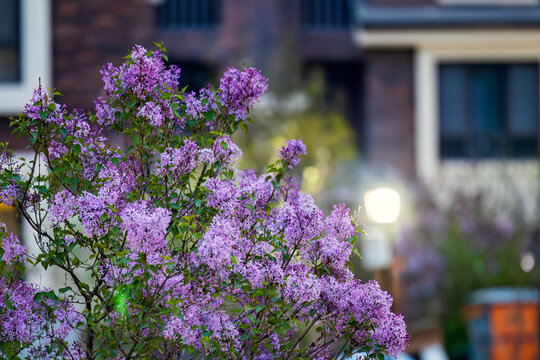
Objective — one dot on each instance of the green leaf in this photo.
(356, 252)
(209, 116)
(244, 127)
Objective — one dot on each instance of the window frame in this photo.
(470, 135)
(35, 56)
(461, 47)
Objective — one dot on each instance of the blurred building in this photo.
(426, 82)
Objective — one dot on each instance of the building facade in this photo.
(398, 62)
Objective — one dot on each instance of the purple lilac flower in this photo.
(338, 224)
(186, 328)
(194, 107)
(57, 150)
(290, 152)
(7, 162)
(179, 161)
(208, 101)
(108, 74)
(104, 113)
(33, 111)
(66, 319)
(226, 151)
(13, 250)
(367, 301)
(9, 194)
(331, 252)
(171, 77)
(20, 320)
(206, 156)
(145, 226)
(91, 207)
(144, 75)
(216, 245)
(152, 112)
(222, 329)
(117, 180)
(299, 219)
(301, 286)
(222, 193)
(240, 89)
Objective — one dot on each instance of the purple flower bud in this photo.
(291, 151)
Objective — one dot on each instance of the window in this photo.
(327, 13)
(189, 13)
(25, 56)
(488, 111)
(9, 41)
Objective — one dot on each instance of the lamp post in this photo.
(383, 206)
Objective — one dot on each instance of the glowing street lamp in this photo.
(382, 205)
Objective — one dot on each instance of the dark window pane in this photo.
(487, 97)
(485, 146)
(326, 13)
(488, 111)
(194, 75)
(454, 148)
(452, 100)
(9, 40)
(189, 13)
(523, 99)
(9, 22)
(523, 147)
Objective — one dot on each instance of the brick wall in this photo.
(389, 110)
(88, 34)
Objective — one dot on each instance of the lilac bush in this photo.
(169, 250)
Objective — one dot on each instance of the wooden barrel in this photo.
(503, 324)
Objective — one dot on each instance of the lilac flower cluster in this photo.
(290, 152)
(196, 108)
(145, 226)
(320, 240)
(240, 89)
(19, 316)
(179, 161)
(226, 151)
(366, 301)
(43, 105)
(13, 251)
(9, 194)
(145, 77)
(25, 323)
